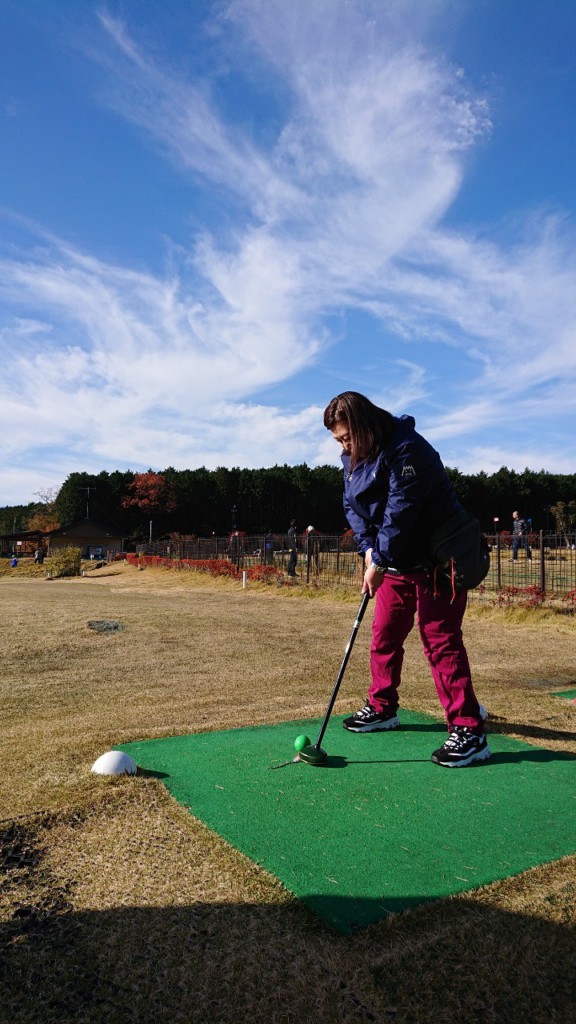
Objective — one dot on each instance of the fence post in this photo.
(498, 561)
(307, 558)
(542, 565)
(338, 559)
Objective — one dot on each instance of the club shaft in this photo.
(284, 763)
(340, 676)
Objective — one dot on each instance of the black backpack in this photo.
(459, 554)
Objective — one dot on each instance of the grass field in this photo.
(116, 904)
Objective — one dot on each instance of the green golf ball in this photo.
(300, 742)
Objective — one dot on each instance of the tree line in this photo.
(201, 502)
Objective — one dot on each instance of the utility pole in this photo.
(498, 553)
(87, 489)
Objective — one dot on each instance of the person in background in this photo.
(269, 548)
(293, 548)
(312, 547)
(396, 493)
(520, 537)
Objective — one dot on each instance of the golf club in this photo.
(313, 753)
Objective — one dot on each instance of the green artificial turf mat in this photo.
(380, 828)
(567, 694)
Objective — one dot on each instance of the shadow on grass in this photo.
(343, 762)
(224, 963)
(536, 732)
(498, 757)
(100, 576)
(148, 773)
(541, 756)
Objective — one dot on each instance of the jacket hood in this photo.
(406, 421)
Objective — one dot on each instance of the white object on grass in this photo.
(484, 712)
(115, 762)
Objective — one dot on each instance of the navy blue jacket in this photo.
(395, 501)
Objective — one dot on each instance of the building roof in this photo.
(84, 528)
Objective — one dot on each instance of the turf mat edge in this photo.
(380, 828)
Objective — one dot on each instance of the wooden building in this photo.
(94, 539)
(23, 543)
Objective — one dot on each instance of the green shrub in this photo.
(65, 562)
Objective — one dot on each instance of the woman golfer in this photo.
(396, 493)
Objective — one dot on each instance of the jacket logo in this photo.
(408, 470)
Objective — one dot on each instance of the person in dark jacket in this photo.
(396, 494)
(293, 548)
(520, 537)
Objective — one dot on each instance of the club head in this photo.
(313, 755)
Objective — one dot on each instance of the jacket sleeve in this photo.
(364, 535)
(413, 472)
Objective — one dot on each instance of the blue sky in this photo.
(214, 216)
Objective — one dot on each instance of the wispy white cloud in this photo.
(122, 352)
(342, 209)
(184, 120)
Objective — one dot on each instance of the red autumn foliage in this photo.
(212, 566)
(522, 597)
(150, 493)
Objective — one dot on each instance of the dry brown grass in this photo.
(115, 903)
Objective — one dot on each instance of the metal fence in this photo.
(321, 559)
(543, 573)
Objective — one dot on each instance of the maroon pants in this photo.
(398, 600)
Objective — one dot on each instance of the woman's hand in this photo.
(372, 581)
(372, 578)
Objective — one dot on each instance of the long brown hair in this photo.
(370, 426)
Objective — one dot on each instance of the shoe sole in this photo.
(390, 723)
(481, 755)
